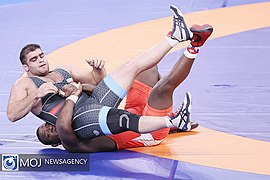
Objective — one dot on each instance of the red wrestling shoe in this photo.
(200, 34)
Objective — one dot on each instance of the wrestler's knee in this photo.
(162, 89)
(160, 98)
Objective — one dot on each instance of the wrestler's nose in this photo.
(41, 59)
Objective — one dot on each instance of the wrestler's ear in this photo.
(25, 67)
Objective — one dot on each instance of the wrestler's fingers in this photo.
(62, 93)
(102, 64)
(96, 61)
(90, 62)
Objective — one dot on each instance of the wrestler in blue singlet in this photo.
(52, 103)
(90, 112)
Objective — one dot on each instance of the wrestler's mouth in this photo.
(42, 65)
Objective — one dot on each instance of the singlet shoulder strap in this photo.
(66, 78)
(66, 75)
(38, 82)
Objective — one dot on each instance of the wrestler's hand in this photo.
(70, 89)
(99, 71)
(45, 89)
(96, 63)
(78, 89)
(67, 90)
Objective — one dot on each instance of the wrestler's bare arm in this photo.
(64, 124)
(69, 139)
(23, 98)
(98, 71)
(88, 76)
(66, 133)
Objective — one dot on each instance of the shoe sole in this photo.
(202, 29)
(194, 125)
(176, 11)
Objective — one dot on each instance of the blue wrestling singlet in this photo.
(52, 103)
(89, 119)
(90, 112)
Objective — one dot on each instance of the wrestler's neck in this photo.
(38, 74)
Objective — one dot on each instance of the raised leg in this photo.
(161, 95)
(125, 74)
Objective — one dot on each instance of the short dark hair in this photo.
(42, 140)
(26, 49)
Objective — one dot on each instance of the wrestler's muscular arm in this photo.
(69, 139)
(88, 76)
(64, 127)
(22, 100)
(98, 71)
(64, 123)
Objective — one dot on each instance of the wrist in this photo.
(73, 98)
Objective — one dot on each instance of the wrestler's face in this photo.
(49, 133)
(36, 63)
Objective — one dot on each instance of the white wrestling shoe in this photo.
(181, 118)
(180, 31)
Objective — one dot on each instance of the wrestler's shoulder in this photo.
(24, 80)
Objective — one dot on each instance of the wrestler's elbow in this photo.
(11, 113)
(12, 117)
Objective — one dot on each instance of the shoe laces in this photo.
(176, 113)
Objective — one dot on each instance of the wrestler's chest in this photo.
(53, 77)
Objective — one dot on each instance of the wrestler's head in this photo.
(47, 134)
(34, 61)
